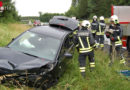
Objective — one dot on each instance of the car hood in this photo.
(14, 60)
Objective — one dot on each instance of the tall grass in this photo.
(9, 31)
(103, 77)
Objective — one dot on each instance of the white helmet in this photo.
(74, 18)
(114, 18)
(85, 23)
(101, 18)
(94, 17)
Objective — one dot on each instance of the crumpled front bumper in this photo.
(26, 78)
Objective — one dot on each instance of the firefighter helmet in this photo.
(101, 18)
(94, 17)
(85, 23)
(114, 19)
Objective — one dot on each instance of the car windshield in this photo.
(36, 44)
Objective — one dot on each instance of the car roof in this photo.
(64, 21)
(55, 32)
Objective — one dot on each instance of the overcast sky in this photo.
(32, 7)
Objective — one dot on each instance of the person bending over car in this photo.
(85, 43)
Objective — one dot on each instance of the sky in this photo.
(33, 7)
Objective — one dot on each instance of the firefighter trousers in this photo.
(119, 53)
(82, 61)
(94, 35)
(100, 40)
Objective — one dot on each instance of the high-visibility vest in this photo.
(119, 42)
(101, 29)
(94, 27)
(84, 49)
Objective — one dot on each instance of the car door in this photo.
(67, 46)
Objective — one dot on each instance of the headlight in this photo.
(46, 69)
(50, 67)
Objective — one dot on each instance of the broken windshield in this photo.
(36, 44)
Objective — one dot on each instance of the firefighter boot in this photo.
(110, 63)
(102, 46)
(92, 66)
(82, 71)
(122, 61)
(83, 74)
(97, 45)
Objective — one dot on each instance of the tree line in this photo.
(45, 17)
(9, 14)
(81, 9)
(87, 8)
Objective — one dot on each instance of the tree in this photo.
(83, 9)
(9, 14)
(87, 8)
(47, 16)
(72, 12)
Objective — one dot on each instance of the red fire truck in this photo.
(123, 13)
(1, 6)
(1, 3)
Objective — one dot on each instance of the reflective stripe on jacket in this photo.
(84, 49)
(94, 26)
(84, 41)
(119, 42)
(117, 34)
(101, 29)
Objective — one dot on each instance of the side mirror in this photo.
(68, 55)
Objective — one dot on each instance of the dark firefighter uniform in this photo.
(94, 27)
(100, 33)
(85, 42)
(115, 37)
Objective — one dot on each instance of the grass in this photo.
(102, 78)
(9, 31)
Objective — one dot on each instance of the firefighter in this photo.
(100, 32)
(94, 26)
(85, 43)
(115, 34)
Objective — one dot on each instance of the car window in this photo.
(68, 41)
(36, 44)
(66, 45)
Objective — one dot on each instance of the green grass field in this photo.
(103, 78)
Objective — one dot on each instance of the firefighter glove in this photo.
(111, 31)
(112, 39)
(107, 35)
